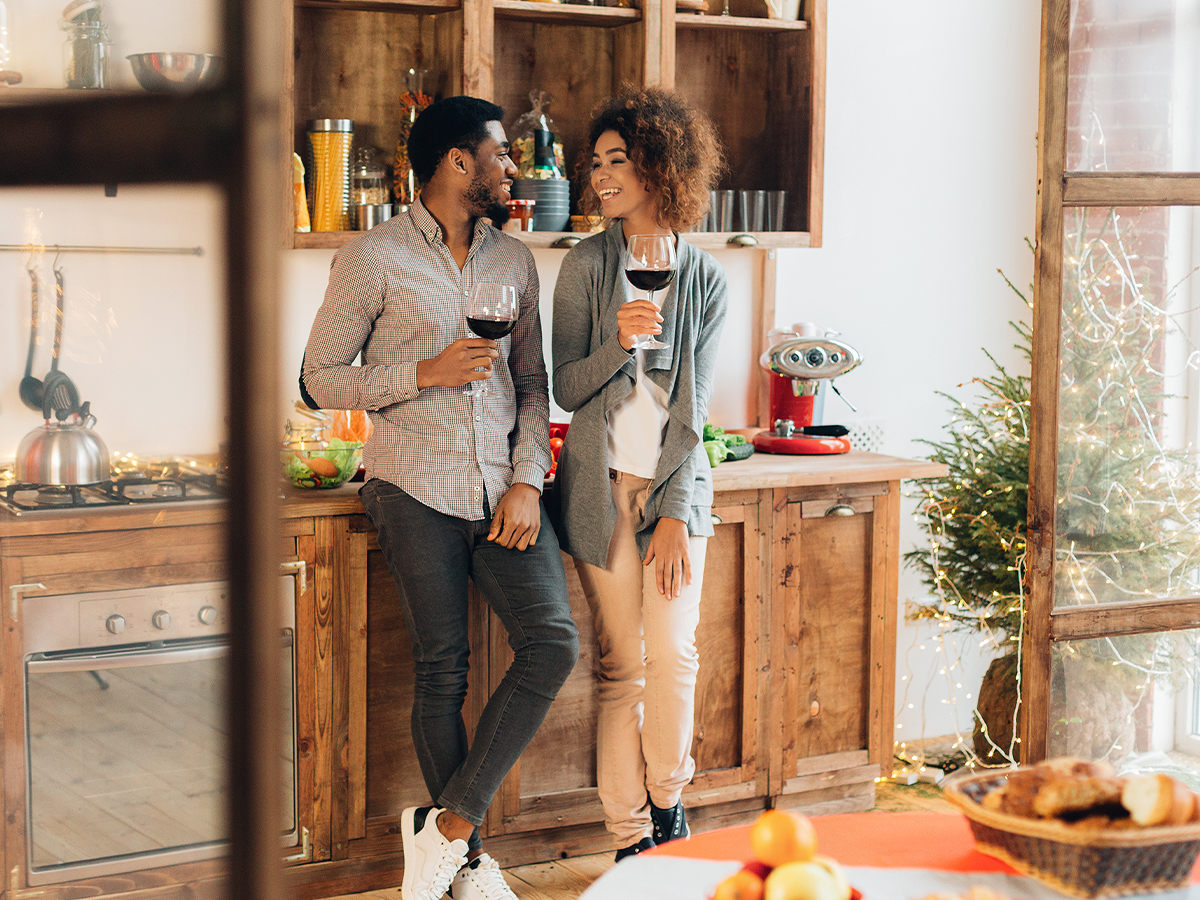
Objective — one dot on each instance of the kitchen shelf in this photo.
(565, 13)
(387, 6)
(545, 240)
(22, 96)
(691, 20)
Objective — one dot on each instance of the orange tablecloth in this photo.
(903, 840)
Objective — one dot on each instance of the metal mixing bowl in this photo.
(175, 71)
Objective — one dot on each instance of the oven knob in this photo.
(208, 614)
(115, 624)
(161, 620)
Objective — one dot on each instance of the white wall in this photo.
(929, 188)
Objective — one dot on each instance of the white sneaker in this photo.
(430, 861)
(481, 879)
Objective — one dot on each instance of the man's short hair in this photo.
(442, 126)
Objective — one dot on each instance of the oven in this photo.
(126, 738)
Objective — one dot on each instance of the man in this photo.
(453, 482)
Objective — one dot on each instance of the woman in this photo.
(634, 485)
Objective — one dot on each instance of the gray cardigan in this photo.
(593, 373)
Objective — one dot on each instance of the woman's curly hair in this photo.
(674, 149)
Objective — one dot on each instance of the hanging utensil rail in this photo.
(86, 248)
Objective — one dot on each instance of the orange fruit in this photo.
(780, 837)
(743, 885)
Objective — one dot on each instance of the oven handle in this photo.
(92, 662)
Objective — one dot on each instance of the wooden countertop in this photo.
(761, 470)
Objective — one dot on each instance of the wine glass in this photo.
(491, 314)
(650, 264)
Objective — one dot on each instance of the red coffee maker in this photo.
(798, 366)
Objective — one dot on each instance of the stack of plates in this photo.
(552, 211)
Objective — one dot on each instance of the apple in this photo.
(801, 881)
(836, 872)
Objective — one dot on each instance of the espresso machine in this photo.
(798, 365)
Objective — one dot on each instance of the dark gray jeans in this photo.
(430, 556)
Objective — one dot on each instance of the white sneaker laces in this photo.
(490, 880)
(447, 869)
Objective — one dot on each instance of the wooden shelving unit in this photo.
(761, 80)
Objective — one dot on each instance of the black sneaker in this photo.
(669, 824)
(644, 844)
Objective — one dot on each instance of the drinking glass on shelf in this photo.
(491, 314)
(650, 264)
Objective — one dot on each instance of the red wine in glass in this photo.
(492, 329)
(491, 314)
(650, 264)
(649, 279)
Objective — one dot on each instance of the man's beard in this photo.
(484, 203)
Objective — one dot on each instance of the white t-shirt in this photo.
(636, 425)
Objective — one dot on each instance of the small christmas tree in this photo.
(1128, 520)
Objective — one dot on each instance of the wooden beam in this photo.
(816, 150)
(1131, 189)
(1081, 623)
(1043, 443)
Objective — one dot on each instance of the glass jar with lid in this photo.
(369, 185)
(86, 51)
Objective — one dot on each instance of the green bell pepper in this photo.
(716, 451)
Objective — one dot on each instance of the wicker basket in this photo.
(1082, 862)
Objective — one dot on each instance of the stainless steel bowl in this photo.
(175, 71)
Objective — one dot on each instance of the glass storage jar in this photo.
(85, 55)
(369, 186)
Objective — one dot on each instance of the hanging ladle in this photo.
(31, 387)
(65, 397)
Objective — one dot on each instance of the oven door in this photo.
(126, 756)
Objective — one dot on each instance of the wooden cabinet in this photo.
(793, 704)
(761, 80)
(794, 697)
(85, 553)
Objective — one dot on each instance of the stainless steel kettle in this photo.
(65, 451)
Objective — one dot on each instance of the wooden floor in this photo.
(566, 879)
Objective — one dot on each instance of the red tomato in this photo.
(555, 446)
(556, 431)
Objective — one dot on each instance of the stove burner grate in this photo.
(124, 490)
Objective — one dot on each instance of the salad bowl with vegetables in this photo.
(327, 468)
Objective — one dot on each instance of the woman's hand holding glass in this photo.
(636, 319)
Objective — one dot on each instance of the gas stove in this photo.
(133, 483)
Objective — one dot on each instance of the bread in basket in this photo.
(1085, 858)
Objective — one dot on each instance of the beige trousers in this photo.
(648, 664)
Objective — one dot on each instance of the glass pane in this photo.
(113, 518)
(1128, 524)
(1130, 700)
(1132, 101)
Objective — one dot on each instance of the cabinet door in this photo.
(554, 783)
(833, 629)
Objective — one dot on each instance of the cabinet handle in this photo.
(305, 853)
(814, 709)
(717, 520)
(842, 509)
(743, 240)
(17, 589)
(566, 242)
(300, 567)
